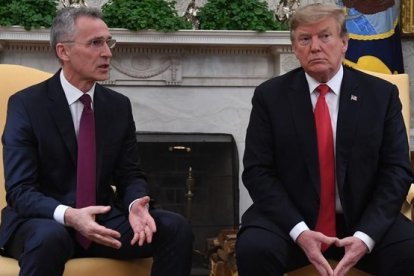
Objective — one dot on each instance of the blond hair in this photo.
(315, 13)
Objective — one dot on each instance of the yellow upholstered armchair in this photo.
(402, 82)
(12, 79)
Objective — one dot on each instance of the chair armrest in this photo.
(407, 208)
(410, 195)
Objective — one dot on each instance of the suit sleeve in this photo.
(21, 166)
(129, 177)
(393, 172)
(260, 175)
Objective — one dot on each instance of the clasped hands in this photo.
(142, 224)
(311, 241)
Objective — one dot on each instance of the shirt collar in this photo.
(334, 83)
(71, 92)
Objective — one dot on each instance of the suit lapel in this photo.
(304, 122)
(60, 112)
(349, 109)
(350, 103)
(100, 107)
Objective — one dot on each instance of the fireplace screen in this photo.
(196, 175)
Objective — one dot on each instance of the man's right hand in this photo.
(83, 221)
(311, 242)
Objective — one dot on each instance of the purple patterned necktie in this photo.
(86, 170)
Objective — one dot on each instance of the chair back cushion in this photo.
(403, 84)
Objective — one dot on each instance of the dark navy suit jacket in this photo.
(40, 153)
(373, 169)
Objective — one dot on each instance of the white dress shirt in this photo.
(76, 107)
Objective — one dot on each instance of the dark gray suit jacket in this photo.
(373, 169)
(40, 153)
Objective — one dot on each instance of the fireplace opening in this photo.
(196, 175)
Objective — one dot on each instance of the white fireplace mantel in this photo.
(184, 58)
(184, 81)
(181, 37)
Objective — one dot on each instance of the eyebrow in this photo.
(100, 37)
(302, 33)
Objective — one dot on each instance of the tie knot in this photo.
(85, 100)
(323, 89)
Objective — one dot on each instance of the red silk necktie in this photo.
(86, 169)
(326, 218)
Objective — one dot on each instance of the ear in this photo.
(63, 51)
(345, 40)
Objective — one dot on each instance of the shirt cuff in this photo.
(369, 242)
(297, 230)
(59, 214)
(130, 205)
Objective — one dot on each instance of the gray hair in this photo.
(63, 26)
(314, 13)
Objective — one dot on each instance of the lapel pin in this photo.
(354, 98)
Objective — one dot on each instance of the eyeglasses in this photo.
(96, 43)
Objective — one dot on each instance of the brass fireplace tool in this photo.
(189, 195)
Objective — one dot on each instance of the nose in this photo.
(106, 51)
(315, 43)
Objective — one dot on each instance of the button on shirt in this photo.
(332, 100)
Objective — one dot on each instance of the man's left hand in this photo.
(141, 222)
(355, 249)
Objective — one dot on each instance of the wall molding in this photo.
(182, 58)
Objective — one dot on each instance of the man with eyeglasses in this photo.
(67, 142)
(326, 163)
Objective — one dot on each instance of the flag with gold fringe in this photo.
(375, 42)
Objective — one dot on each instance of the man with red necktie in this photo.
(326, 163)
